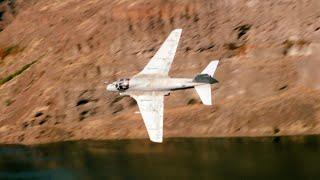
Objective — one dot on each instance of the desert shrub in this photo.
(289, 43)
(192, 101)
(14, 49)
(242, 30)
(16, 73)
(8, 102)
(231, 46)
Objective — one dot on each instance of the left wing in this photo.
(161, 62)
(151, 108)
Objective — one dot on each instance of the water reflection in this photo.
(204, 158)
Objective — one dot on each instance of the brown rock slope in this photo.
(55, 56)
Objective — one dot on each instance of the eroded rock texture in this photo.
(55, 56)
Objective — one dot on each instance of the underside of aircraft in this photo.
(149, 86)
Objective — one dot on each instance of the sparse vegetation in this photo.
(1, 14)
(302, 42)
(38, 114)
(117, 109)
(192, 101)
(14, 49)
(8, 102)
(16, 73)
(234, 49)
(117, 99)
(196, 18)
(205, 48)
(231, 46)
(288, 44)
(283, 87)
(239, 45)
(242, 30)
(276, 130)
(82, 102)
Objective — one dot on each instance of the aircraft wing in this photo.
(151, 109)
(160, 63)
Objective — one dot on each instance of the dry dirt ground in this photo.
(55, 56)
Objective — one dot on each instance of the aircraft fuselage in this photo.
(155, 84)
(161, 84)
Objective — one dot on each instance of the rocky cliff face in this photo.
(55, 56)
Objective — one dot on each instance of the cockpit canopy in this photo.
(122, 84)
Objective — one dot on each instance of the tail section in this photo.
(211, 68)
(204, 92)
(206, 77)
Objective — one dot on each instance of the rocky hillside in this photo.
(55, 56)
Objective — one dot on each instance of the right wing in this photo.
(161, 62)
(151, 108)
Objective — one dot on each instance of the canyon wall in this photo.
(56, 55)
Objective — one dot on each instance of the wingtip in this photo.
(177, 30)
(215, 61)
(207, 103)
(160, 140)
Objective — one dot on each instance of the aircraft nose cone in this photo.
(111, 87)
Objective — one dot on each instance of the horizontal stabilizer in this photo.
(211, 68)
(204, 92)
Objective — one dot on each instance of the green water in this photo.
(205, 158)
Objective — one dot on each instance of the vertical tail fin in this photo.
(206, 76)
(204, 92)
(211, 68)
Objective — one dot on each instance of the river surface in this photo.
(183, 158)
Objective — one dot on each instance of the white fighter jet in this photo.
(150, 86)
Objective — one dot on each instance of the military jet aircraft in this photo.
(150, 86)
